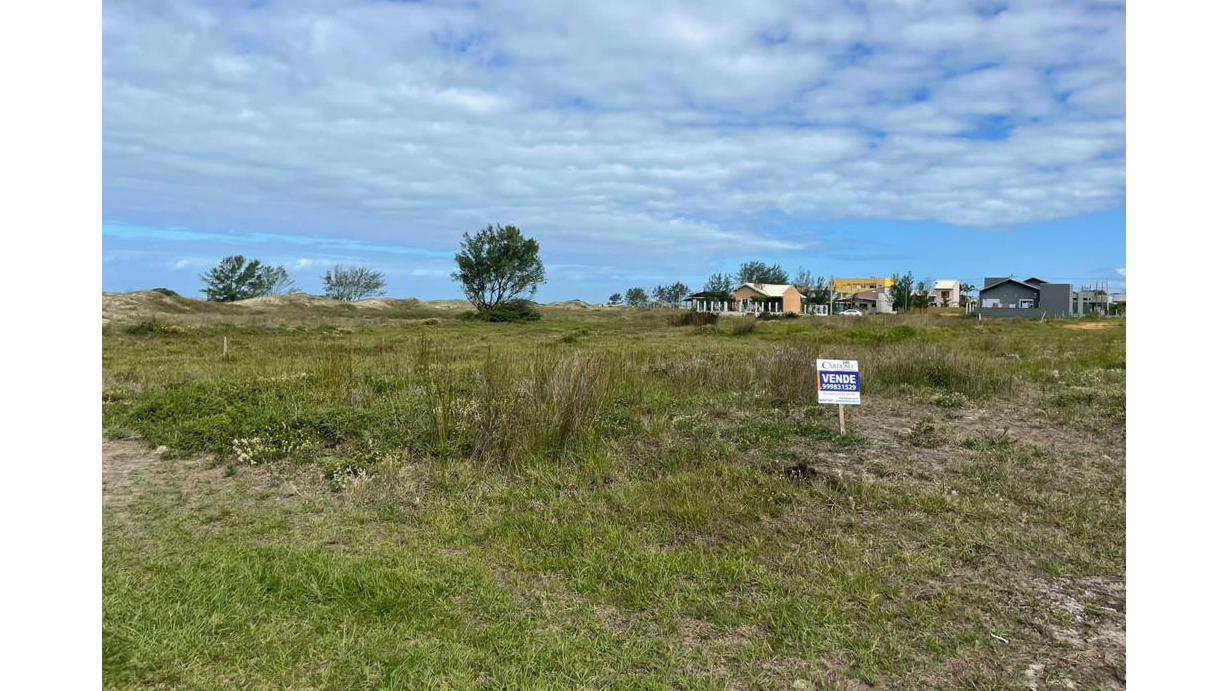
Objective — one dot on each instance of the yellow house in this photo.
(767, 297)
(852, 286)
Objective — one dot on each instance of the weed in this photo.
(278, 444)
(949, 399)
(925, 434)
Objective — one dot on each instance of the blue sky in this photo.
(640, 143)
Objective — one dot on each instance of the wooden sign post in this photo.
(839, 383)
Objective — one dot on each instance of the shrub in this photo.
(773, 316)
(152, 327)
(167, 292)
(690, 318)
(512, 311)
(949, 399)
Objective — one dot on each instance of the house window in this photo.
(1026, 303)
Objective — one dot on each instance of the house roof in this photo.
(1007, 280)
(772, 290)
(946, 284)
(872, 295)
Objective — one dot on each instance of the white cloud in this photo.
(660, 133)
(304, 263)
(192, 263)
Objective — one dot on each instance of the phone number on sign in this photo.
(838, 381)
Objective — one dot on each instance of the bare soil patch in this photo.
(1087, 326)
(131, 468)
(375, 304)
(123, 463)
(284, 300)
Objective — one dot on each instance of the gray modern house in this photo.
(1032, 297)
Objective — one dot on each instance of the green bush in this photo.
(208, 416)
(773, 316)
(513, 311)
(152, 327)
(690, 318)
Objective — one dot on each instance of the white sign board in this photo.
(839, 382)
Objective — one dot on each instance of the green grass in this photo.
(603, 500)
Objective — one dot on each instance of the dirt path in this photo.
(123, 463)
(131, 469)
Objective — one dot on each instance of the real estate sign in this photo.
(839, 382)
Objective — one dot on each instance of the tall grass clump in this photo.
(786, 373)
(511, 408)
(936, 367)
(692, 318)
(743, 327)
(152, 327)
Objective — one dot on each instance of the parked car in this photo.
(851, 313)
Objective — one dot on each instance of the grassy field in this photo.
(400, 498)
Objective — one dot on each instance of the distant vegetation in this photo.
(352, 283)
(759, 272)
(237, 278)
(637, 297)
(496, 266)
(670, 295)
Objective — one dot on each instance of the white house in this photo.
(945, 293)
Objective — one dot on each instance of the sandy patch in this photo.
(283, 300)
(1087, 326)
(374, 304)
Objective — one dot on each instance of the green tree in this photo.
(670, 294)
(759, 272)
(238, 278)
(719, 283)
(677, 292)
(901, 291)
(637, 297)
(498, 265)
(816, 289)
(615, 299)
(965, 293)
(281, 282)
(353, 283)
